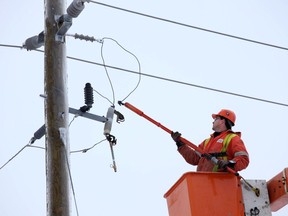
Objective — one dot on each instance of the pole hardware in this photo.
(64, 22)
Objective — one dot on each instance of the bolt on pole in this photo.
(56, 114)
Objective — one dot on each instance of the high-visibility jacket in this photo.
(234, 149)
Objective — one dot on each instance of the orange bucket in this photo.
(205, 194)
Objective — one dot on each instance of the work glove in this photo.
(176, 137)
(222, 164)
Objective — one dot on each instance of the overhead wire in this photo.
(43, 148)
(106, 98)
(148, 75)
(180, 82)
(35, 146)
(176, 23)
(191, 26)
(11, 46)
(67, 161)
(101, 41)
(174, 81)
(15, 155)
(107, 74)
(92, 39)
(139, 65)
(87, 149)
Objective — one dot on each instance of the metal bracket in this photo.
(41, 131)
(64, 22)
(87, 115)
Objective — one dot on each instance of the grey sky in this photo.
(147, 160)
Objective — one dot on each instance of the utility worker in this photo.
(224, 144)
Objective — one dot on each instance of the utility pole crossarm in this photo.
(87, 115)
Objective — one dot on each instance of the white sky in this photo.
(147, 160)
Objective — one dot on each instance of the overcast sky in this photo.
(147, 159)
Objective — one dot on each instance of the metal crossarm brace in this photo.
(87, 115)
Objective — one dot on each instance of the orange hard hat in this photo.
(228, 114)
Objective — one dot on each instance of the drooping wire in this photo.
(43, 148)
(107, 74)
(68, 167)
(139, 65)
(38, 135)
(101, 41)
(87, 149)
(32, 140)
(92, 39)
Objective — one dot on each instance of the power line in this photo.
(11, 46)
(92, 39)
(104, 64)
(43, 148)
(179, 82)
(87, 149)
(14, 156)
(191, 26)
(173, 80)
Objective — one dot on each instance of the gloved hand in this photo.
(222, 164)
(176, 137)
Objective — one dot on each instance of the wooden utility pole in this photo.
(56, 114)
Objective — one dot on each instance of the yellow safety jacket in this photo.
(228, 145)
(222, 154)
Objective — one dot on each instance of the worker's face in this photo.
(218, 124)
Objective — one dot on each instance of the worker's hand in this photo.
(222, 164)
(176, 137)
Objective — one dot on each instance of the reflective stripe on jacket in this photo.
(236, 151)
